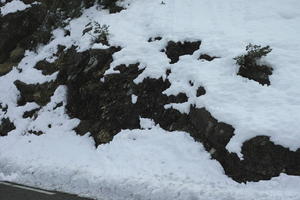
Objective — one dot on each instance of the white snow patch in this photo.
(13, 6)
(134, 98)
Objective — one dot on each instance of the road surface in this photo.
(12, 191)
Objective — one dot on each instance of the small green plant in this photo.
(99, 32)
(254, 53)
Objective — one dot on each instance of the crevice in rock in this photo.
(60, 104)
(176, 49)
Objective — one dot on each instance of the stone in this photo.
(200, 91)
(176, 49)
(31, 114)
(6, 126)
(17, 54)
(258, 73)
(207, 57)
(46, 67)
(5, 68)
(38, 93)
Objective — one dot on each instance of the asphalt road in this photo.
(12, 191)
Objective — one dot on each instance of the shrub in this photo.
(249, 68)
(254, 53)
(99, 32)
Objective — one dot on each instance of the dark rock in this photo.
(180, 98)
(5, 68)
(6, 126)
(12, 60)
(105, 107)
(262, 158)
(152, 39)
(168, 72)
(191, 83)
(200, 91)
(207, 57)
(111, 5)
(46, 67)
(38, 133)
(85, 66)
(38, 93)
(34, 25)
(151, 102)
(16, 55)
(31, 113)
(3, 108)
(15, 27)
(259, 73)
(175, 50)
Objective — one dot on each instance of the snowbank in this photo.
(137, 164)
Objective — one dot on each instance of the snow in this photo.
(137, 164)
(13, 6)
(152, 163)
(134, 99)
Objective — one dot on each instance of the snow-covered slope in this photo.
(153, 163)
